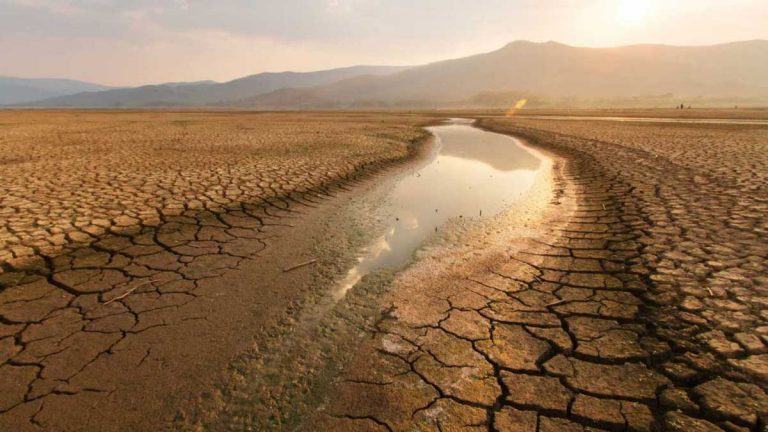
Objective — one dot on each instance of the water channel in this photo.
(471, 173)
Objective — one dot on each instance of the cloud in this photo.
(143, 13)
(66, 8)
(130, 42)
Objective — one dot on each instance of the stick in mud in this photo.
(312, 261)
(127, 293)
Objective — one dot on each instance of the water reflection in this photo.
(473, 174)
(486, 148)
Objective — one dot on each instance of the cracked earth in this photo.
(121, 239)
(640, 305)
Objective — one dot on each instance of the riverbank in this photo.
(413, 211)
(638, 308)
(627, 295)
(160, 252)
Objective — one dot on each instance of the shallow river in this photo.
(471, 174)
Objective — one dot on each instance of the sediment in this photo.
(635, 303)
(639, 306)
(136, 250)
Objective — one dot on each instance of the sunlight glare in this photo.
(633, 12)
(518, 105)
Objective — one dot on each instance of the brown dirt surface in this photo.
(638, 305)
(132, 248)
(693, 113)
(753, 113)
(70, 177)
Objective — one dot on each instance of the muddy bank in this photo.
(415, 366)
(118, 333)
(668, 113)
(281, 385)
(673, 120)
(627, 294)
(637, 304)
(271, 383)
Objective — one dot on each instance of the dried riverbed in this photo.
(639, 305)
(466, 182)
(623, 291)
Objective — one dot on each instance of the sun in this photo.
(633, 12)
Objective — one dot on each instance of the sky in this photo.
(133, 42)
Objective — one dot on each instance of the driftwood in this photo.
(129, 292)
(555, 303)
(306, 263)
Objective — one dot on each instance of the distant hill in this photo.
(19, 90)
(187, 83)
(209, 92)
(545, 74)
(553, 71)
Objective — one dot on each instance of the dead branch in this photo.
(127, 293)
(312, 261)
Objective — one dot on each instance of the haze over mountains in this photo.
(21, 90)
(540, 72)
(209, 92)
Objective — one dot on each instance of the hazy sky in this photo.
(129, 42)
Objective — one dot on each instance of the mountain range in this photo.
(203, 93)
(539, 72)
(21, 90)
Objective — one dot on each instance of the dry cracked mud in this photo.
(130, 245)
(640, 306)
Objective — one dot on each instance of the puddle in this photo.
(469, 170)
(471, 174)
